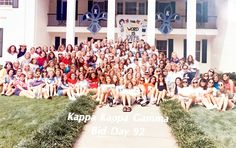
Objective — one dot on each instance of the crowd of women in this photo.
(116, 72)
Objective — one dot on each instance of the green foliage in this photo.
(61, 132)
(186, 131)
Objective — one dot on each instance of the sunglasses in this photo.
(211, 82)
(194, 82)
(185, 82)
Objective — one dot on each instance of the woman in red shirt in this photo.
(41, 59)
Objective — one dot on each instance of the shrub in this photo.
(60, 132)
(186, 131)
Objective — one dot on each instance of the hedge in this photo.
(186, 131)
(60, 132)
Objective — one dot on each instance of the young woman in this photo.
(224, 102)
(22, 89)
(50, 84)
(12, 54)
(203, 94)
(162, 89)
(229, 85)
(211, 93)
(82, 86)
(93, 82)
(8, 79)
(37, 85)
(72, 80)
(178, 85)
(128, 99)
(119, 91)
(63, 88)
(4, 70)
(106, 90)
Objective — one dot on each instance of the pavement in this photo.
(112, 128)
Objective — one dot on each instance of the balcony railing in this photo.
(182, 23)
(54, 20)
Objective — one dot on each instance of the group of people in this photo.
(116, 72)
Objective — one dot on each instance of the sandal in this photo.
(129, 109)
(125, 109)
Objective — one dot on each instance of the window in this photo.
(103, 4)
(130, 8)
(1, 41)
(119, 8)
(141, 9)
(202, 12)
(5, 2)
(198, 51)
(162, 46)
(160, 7)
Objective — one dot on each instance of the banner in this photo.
(132, 27)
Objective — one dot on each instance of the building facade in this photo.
(206, 31)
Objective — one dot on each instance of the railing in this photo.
(55, 20)
(182, 23)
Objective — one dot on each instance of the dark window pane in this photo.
(120, 8)
(141, 9)
(130, 8)
(204, 51)
(198, 51)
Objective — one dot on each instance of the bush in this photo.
(60, 132)
(186, 131)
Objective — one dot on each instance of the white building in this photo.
(206, 31)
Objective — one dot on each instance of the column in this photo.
(191, 27)
(29, 23)
(151, 22)
(70, 22)
(111, 17)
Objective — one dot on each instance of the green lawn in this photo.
(220, 126)
(20, 116)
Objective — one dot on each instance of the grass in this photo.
(20, 116)
(60, 132)
(186, 131)
(220, 126)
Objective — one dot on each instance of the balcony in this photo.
(182, 23)
(54, 21)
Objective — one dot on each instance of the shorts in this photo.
(17, 92)
(60, 92)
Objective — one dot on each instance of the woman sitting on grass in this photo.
(8, 79)
(4, 70)
(224, 102)
(63, 88)
(211, 93)
(37, 85)
(21, 88)
(50, 84)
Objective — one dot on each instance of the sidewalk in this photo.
(113, 128)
